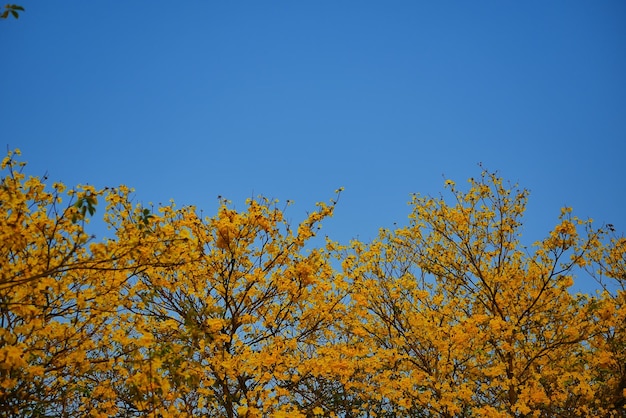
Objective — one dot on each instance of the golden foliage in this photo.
(242, 315)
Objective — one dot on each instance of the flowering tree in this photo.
(466, 321)
(242, 315)
(234, 330)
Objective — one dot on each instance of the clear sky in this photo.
(293, 99)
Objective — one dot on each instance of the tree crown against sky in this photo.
(240, 314)
(248, 313)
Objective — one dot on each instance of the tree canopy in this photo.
(242, 314)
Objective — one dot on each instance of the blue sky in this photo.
(293, 99)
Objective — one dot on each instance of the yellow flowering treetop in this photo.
(465, 321)
(242, 314)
